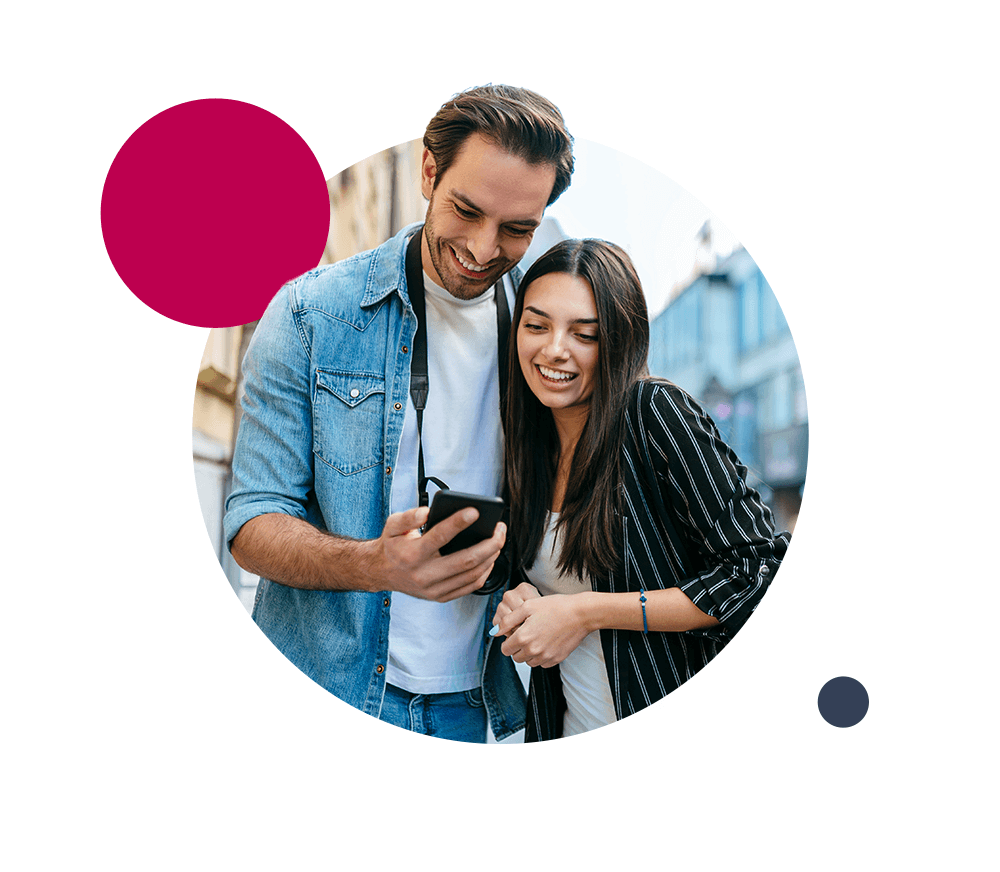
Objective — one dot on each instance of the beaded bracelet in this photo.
(642, 601)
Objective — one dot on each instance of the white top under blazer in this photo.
(589, 704)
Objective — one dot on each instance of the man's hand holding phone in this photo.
(420, 566)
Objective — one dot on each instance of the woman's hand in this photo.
(512, 600)
(544, 631)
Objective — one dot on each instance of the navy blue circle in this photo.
(843, 701)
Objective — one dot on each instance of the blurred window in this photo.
(682, 333)
(750, 321)
(781, 401)
(744, 422)
(798, 396)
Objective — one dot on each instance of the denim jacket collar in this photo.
(387, 272)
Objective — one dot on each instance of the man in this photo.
(325, 471)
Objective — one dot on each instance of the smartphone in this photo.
(447, 502)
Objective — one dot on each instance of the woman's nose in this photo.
(556, 348)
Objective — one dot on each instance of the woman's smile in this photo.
(554, 375)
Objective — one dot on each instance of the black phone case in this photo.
(446, 502)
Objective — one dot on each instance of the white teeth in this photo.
(469, 266)
(555, 375)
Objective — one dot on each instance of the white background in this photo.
(850, 147)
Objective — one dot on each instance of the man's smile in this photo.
(471, 267)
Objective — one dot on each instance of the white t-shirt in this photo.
(589, 704)
(437, 647)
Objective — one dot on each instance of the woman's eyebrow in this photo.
(542, 314)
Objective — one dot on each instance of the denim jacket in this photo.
(327, 378)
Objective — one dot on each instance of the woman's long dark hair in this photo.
(591, 541)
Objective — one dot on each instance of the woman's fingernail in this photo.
(495, 630)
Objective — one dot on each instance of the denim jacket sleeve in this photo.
(273, 459)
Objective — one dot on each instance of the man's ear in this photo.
(428, 173)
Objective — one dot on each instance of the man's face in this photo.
(482, 215)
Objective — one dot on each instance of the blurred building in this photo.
(215, 420)
(373, 200)
(724, 339)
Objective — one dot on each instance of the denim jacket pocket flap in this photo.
(351, 388)
(348, 420)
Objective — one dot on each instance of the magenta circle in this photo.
(209, 207)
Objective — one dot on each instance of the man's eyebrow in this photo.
(520, 222)
(542, 314)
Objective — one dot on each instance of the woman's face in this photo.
(557, 341)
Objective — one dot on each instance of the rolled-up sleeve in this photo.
(726, 526)
(272, 459)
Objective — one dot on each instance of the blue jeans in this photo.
(460, 716)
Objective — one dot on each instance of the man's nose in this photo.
(484, 244)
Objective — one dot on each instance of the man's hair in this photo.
(516, 120)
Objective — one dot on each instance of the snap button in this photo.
(398, 406)
(380, 669)
(385, 602)
(405, 349)
(388, 470)
(355, 392)
(765, 571)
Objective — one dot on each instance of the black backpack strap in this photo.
(419, 381)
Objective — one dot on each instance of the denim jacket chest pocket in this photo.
(348, 419)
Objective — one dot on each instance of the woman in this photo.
(643, 547)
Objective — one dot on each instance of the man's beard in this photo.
(456, 284)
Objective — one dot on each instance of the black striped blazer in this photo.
(729, 539)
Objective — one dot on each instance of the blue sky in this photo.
(621, 199)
